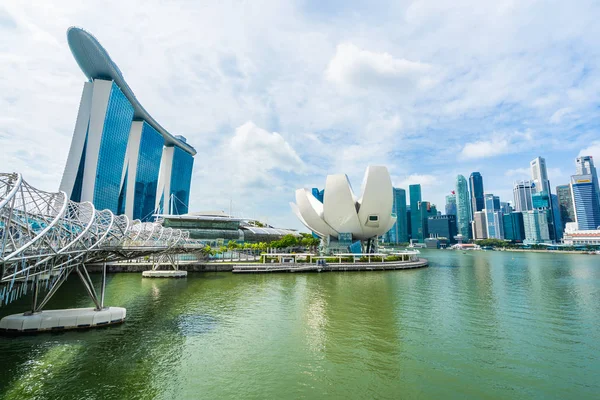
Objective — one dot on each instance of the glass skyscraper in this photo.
(451, 204)
(119, 153)
(398, 233)
(493, 217)
(476, 189)
(565, 204)
(522, 192)
(463, 207)
(514, 228)
(414, 192)
(585, 202)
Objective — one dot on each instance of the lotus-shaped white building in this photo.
(341, 212)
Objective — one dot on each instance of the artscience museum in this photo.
(344, 221)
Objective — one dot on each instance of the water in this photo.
(490, 325)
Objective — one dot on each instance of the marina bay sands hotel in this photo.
(120, 158)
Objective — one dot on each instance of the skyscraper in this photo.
(399, 233)
(565, 204)
(536, 227)
(522, 191)
(476, 189)
(120, 158)
(463, 209)
(414, 192)
(585, 166)
(493, 217)
(442, 226)
(479, 225)
(514, 228)
(539, 174)
(451, 204)
(585, 202)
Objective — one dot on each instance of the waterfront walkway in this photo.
(299, 267)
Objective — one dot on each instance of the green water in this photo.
(490, 325)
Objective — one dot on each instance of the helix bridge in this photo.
(45, 237)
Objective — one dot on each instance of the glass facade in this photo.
(585, 202)
(416, 233)
(451, 204)
(565, 204)
(476, 189)
(513, 226)
(146, 178)
(399, 232)
(493, 217)
(463, 207)
(181, 179)
(113, 145)
(442, 226)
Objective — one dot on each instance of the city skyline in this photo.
(268, 110)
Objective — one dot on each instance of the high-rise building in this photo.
(398, 233)
(585, 166)
(514, 228)
(476, 189)
(522, 191)
(479, 225)
(536, 227)
(506, 208)
(463, 207)
(558, 225)
(120, 158)
(542, 202)
(426, 210)
(442, 226)
(585, 202)
(414, 192)
(451, 204)
(565, 204)
(539, 174)
(493, 217)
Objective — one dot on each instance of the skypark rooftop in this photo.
(95, 63)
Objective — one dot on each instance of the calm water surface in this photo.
(490, 325)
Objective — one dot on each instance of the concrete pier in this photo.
(60, 320)
(300, 267)
(164, 274)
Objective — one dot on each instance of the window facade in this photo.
(146, 178)
(181, 179)
(113, 146)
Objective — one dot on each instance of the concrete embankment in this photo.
(141, 267)
(359, 266)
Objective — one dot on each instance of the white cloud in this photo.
(352, 66)
(518, 172)
(592, 150)
(560, 114)
(422, 179)
(485, 148)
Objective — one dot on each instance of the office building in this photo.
(558, 225)
(451, 204)
(414, 193)
(463, 208)
(426, 210)
(585, 166)
(539, 174)
(479, 225)
(476, 189)
(493, 217)
(542, 202)
(442, 226)
(398, 233)
(514, 228)
(120, 158)
(565, 204)
(506, 208)
(536, 227)
(522, 191)
(585, 202)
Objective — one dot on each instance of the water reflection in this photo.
(478, 325)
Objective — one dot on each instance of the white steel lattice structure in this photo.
(44, 237)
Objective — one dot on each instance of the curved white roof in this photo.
(95, 62)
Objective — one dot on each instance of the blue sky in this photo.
(276, 95)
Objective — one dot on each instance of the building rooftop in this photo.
(95, 63)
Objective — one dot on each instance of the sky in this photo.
(276, 95)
